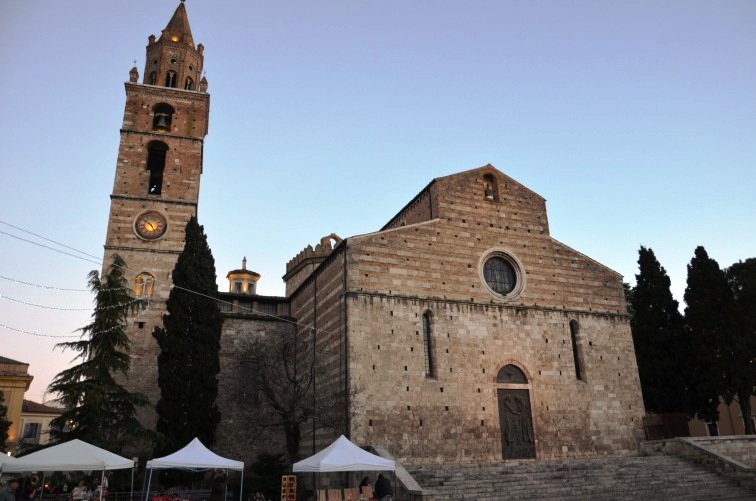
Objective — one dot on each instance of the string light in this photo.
(36, 333)
(51, 287)
(152, 280)
(109, 307)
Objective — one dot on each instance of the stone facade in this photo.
(157, 174)
(460, 331)
(367, 301)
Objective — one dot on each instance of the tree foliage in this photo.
(99, 410)
(294, 386)
(189, 341)
(4, 422)
(708, 300)
(661, 348)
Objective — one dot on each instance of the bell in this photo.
(162, 123)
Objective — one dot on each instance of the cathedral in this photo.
(460, 330)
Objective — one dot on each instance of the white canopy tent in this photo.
(195, 457)
(343, 455)
(75, 455)
(6, 460)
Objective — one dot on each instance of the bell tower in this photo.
(157, 179)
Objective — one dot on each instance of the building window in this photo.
(156, 152)
(189, 83)
(511, 374)
(152, 80)
(170, 79)
(502, 274)
(248, 387)
(430, 370)
(576, 351)
(238, 287)
(143, 284)
(267, 308)
(32, 431)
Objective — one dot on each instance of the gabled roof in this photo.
(178, 29)
(35, 408)
(5, 360)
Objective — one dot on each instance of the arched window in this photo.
(576, 351)
(170, 79)
(490, 188)
(430, 369)
(143, 284)
(152, 80)
(189, 83)
(162, 116)
(156, 152)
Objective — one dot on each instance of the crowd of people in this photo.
(15, 489)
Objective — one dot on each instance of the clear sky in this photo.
(635, 120)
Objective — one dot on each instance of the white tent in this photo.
(75, 455)
(4, 459)
(343, 455)
(195, 457)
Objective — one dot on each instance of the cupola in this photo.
(242, 281)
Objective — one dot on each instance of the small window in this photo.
(238, 287)
(152, 79)
(156, 152)
(144, 284)
(576, 351)
(430, 370)
(170, 79)
(32, 431)
(189, 84)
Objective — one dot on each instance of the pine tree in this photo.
(4, 422)
(660, 346)
(99, 410)
(708, 300)
(188, 364)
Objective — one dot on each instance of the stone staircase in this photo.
(615, 479)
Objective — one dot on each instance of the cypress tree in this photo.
(741, 277)
(188, 363)
(660, 346)
(99, 410)
(708, 300)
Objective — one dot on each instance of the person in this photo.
(79, 493)
(259, 496)
(8, 492)
(383, 489)
(365, 482)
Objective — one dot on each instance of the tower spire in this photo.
(178, 29)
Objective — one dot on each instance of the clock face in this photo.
(150, 225)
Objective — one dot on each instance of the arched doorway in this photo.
(515, 416)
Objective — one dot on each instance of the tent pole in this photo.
(42, 489)
(225, 491)
(102, 484)
(149, 483)
(241, 485)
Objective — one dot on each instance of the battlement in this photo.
(320, 252)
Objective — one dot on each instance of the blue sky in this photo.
(635, 120)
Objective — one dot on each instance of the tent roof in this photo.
(5, 459)
(343, 455)
(75, 455)
(195, 456)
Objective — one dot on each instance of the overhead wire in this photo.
(100, 262)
